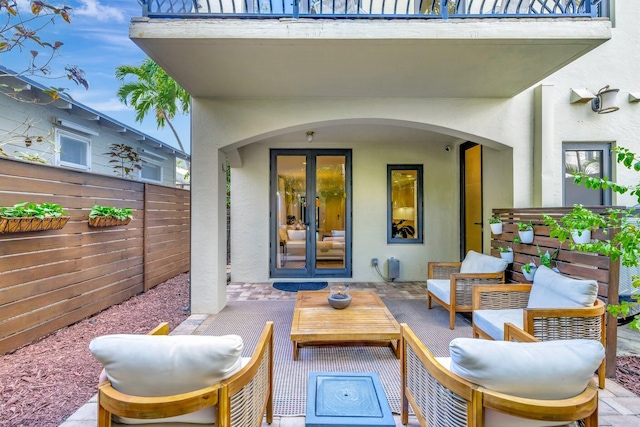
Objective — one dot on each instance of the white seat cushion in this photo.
(542, 370)
(441, 288)
(476, 262)
(149, 365)
(492, 321)
(553, 290)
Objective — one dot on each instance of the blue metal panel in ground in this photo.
(347, 399)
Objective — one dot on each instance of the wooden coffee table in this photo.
(367, 321)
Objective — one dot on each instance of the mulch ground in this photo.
(41, 384)
(44, 382)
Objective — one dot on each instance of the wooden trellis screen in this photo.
(51, 279)
(568, 262)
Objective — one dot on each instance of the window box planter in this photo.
(26, 224)
(107, 221)
(109, 216)
(23, 217)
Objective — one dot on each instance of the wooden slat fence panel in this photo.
(51, 279)
(167, 233)
(568, 262)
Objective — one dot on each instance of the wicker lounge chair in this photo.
(546, 316)
(442, 398)
(450, 283)
(240, 400)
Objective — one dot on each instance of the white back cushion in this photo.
(553, 290)
(542, 370)
(146, 365)
(296, 234)
(476, 262)
(337, 233)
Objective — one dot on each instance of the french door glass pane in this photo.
(292, 212)
(330, 202)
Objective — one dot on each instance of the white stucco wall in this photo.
(248, 129)
(615, 63)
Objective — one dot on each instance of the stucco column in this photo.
(545, 159)
(208, 227)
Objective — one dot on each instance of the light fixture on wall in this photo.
(606, 101)
(310, 136)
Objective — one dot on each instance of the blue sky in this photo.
(97, 41)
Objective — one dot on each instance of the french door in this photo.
(310, 213)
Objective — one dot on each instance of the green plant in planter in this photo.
(527, 267)
(504, 249)
(625, 241)
(35, 210)
(580, 219)
(118, 213)
(525, 226)
(516, 240)
(546, 258)
(494, 220)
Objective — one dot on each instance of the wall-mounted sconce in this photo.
(634, 97)
(606, 101)
(310, 136)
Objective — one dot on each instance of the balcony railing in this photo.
(428, 9)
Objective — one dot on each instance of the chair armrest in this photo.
(442, 270)
(161, 329)
(576, 322)
(500, 297)
(427, 385)
(513, 333)
(571, 409)
(125, 405)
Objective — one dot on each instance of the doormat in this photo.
(299, 286)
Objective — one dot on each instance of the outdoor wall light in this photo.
(605, 101)
(310, 136)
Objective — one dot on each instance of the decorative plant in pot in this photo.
(109, 216)
(525, 231)
(496, 225)
(23, 217)
(506, 254)
(529, 270)
(578, 224)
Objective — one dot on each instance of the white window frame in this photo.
(151, 161)
(71, 135)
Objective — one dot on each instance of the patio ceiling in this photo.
(493, 58)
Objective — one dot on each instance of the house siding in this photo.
(13, 114)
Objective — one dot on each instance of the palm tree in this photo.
(153, 89)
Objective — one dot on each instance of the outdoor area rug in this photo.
(247, 319)
(299, 286)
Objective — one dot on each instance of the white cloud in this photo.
(108, 106)
(100, 12)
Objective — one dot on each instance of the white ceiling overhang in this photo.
(471, 58)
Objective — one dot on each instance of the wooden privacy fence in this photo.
(571, 263)
(51, 279)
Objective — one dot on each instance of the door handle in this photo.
(477, 223)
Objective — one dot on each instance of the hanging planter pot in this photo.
(507, 255)
(529, 271)
(581, 236)
(496, 228)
